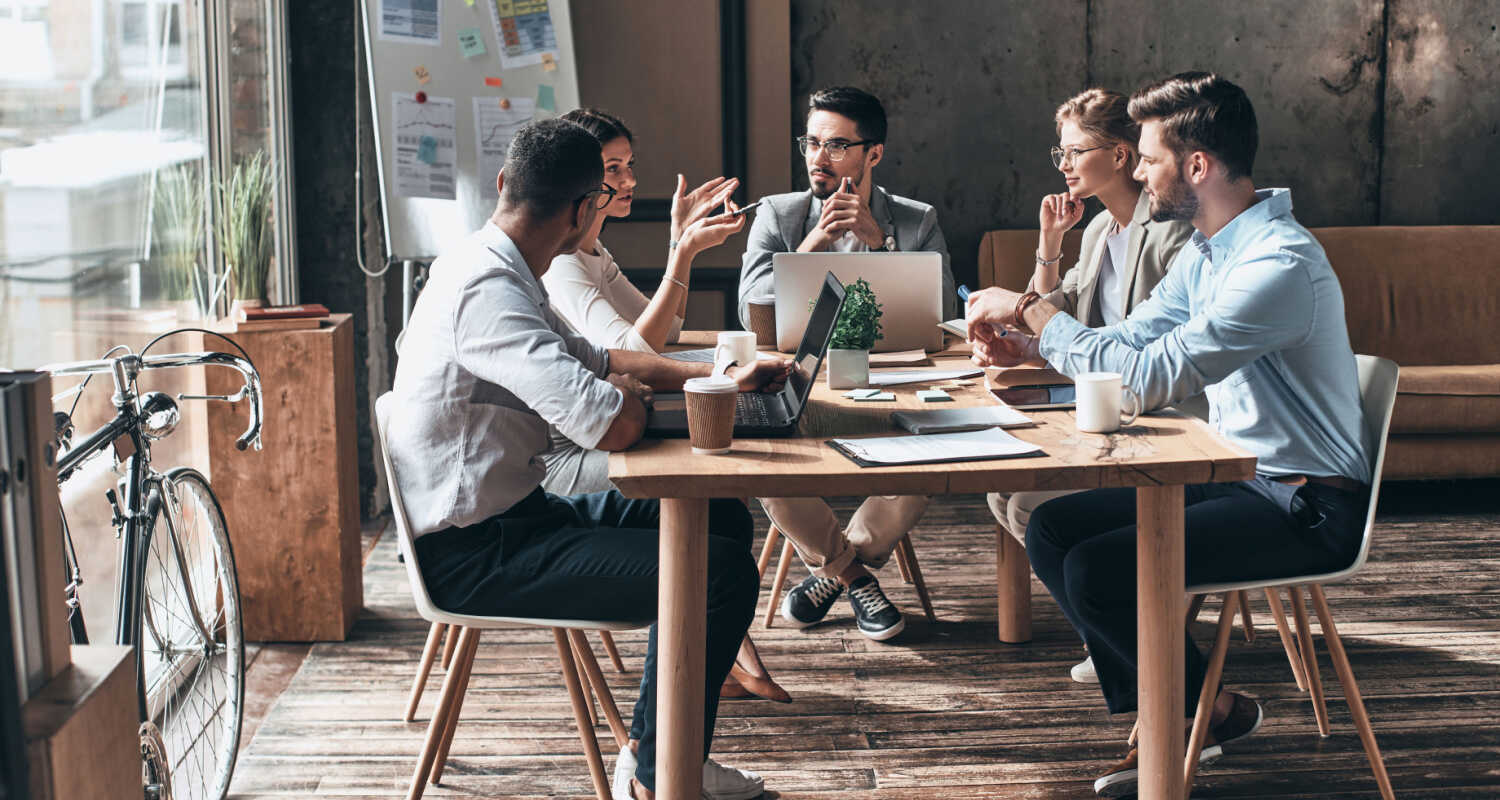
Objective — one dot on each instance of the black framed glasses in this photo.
(1070, 154)
(603, 196)
(835, 148)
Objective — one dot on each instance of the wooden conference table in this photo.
(1157, 456)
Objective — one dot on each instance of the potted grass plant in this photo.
(854, 333)
(244, 227)
(178, 225)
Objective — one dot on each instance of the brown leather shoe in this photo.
(742, 684)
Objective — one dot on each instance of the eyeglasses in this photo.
(1059, 155)
(604, 195)
(835, 148)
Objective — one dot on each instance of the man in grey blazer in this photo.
(843, 211)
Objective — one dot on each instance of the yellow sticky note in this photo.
(549, 64)
(423, 76)
(469, 3)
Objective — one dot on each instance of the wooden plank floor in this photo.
(944, 711)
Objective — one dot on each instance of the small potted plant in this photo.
(244, 227)
(854, 333)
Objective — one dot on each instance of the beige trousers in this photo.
(874, 530)
(1013, 509)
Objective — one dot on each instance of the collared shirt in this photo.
(1255, 316)
(485, 366)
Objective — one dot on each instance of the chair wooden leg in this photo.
(767, 550)
(609, 647)
(581, 715)
(464, 666)
(1194, 606)
(606, 698)
(1013, 588)
(436, 728)
(1289, 644)
(448, 646)
(902, 563)
(915, 569)
(424, 669)
(588, 686)
(1135, 732)
(1352, 696)
(1211, 675)
(774, 602)
(1243, 601)
(1309, 659)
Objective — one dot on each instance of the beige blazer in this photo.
(1148, 254)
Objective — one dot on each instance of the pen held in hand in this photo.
(743, 209)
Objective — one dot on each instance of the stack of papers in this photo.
(990, 443)
(895, 377)
(951, 420)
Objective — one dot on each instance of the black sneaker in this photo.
(808, 602)
(1244, 719)
(877, 618)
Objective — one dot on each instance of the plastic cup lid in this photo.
(716, 384)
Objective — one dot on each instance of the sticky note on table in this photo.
(546, 97)
(427, 150)
(471, 42)
(877, 397)
(934, 396)
(858, 393)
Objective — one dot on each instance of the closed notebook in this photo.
(951, 420)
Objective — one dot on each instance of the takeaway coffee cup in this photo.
(762, 313)
(710, 413)
(1100, 400)
(736, 346)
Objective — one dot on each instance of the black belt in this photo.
(1335, 481)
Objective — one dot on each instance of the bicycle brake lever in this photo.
(227, 398)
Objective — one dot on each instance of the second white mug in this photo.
(1100, 398)
(736, 346)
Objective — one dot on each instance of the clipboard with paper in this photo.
(939, 448)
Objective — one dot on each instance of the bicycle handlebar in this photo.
(130, 365)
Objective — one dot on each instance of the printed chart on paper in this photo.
(494, 127)
(411, 21)
(425, 149)
(524, 28)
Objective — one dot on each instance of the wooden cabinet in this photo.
(293, 508)
(81, 729)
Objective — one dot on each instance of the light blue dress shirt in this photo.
(1255, 317)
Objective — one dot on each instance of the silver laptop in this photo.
(908, 286)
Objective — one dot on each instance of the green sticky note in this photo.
(546, 98)
(471, 42)
(470, 3)
(934, 396)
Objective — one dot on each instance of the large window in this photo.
(116, 119)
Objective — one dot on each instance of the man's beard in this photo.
(824, 194)
(1175, 202)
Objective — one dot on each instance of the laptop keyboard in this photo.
(751, 409)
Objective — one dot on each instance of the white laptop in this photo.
(908, 286)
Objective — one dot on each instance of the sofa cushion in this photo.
(1452, 399)
(1438, 456)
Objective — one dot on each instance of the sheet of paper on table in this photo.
(936, 448)
(897, 377)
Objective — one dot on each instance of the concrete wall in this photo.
(1366, 128)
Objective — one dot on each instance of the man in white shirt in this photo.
(485, 367)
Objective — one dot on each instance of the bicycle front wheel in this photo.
(190, 649)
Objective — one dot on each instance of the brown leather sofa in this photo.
(1427, 298)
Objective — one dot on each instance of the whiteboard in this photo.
(422, 144)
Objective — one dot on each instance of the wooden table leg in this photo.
(681, 618)
(1159, 642)
(1013, 580)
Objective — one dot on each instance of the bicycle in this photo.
(178, 600)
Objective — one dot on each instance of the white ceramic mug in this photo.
(1100, 400)
(736, 346)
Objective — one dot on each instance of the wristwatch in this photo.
(889, 245)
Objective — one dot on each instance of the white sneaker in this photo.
(619, 789)
(1083, 671)
(727, 783)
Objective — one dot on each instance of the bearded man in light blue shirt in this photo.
(1250, 313)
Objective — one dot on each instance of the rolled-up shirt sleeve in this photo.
(505, 338)
(1165, 354)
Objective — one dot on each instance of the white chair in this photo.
(1377, 390)
(568, 635)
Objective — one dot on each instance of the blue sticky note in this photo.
(471, 42)
(427, 150)
(546, 98)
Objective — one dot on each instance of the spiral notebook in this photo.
(982, 445)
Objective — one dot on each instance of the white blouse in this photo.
(589, 291)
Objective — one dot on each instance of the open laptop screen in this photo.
(814, 342)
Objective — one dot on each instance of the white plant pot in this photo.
(848, 369)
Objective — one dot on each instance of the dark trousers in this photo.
(1083, 545)
(594, 556)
